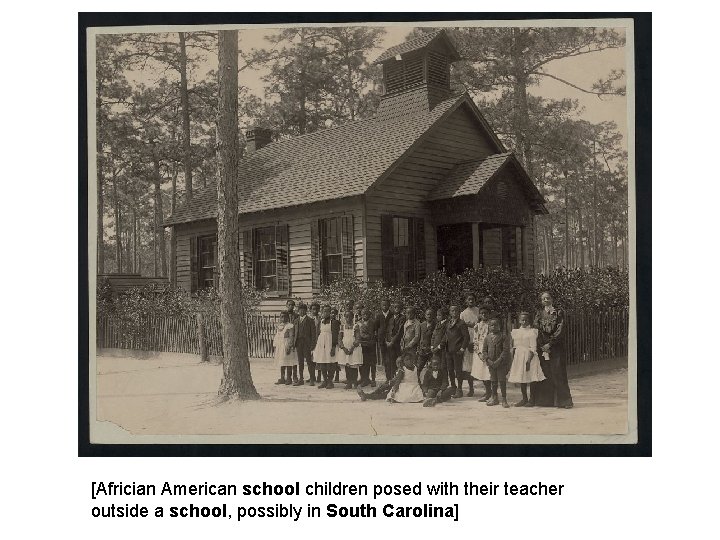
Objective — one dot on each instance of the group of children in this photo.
(424, 361)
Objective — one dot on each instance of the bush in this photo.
(136, 303)
(508, 291)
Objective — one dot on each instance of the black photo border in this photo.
(643, 262)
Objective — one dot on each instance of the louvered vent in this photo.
(403, 74)
(438, 69)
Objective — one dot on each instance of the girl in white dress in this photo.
(285, 355)
(350, 354)
(469, 316)
(324, 352)
(480, 369)
(406, 384)
(525, 368)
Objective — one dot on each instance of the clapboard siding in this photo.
(492, 247)
(298, 221)
(404, 192)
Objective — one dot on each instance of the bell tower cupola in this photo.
(418, 69)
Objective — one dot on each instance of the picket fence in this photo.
(181, 334)
(590, 335)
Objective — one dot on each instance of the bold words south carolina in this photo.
(393, 510)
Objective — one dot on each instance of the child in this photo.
(304, 343)
(393, 335)
(457, 341)
(368, 343)
(324, 353)
(351, 355)
(437, 340)
(410, 335)
(336, 329)
(525, 368)
(427, 327)
(434, 383)
(470, 317)
(315, 316)
(407, 388)
(480, 370)
(495, 355)
(284, 343)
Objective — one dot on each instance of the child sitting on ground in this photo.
(434, 383)
(495, 354)
(403, 387)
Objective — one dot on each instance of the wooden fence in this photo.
(180, 334)
(590, 335)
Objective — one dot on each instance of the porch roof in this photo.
(470, 177)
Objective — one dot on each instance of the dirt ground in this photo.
(175, 396)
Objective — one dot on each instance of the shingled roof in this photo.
(419, 42)
(469, 177)
(329, 164)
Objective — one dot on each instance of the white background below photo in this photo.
(47, 487)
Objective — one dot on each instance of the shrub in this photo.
(136, 303)
(508, 291)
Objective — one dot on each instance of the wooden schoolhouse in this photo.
(424, 185)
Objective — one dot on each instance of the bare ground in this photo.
(176, 396)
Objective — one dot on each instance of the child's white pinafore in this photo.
(321, 354)
(356, 358)
(480, 370)
(409, 390)
(525, 363)
(281, 342)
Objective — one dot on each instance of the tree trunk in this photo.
(159, 231)
(118, 224)
(100, 194)
(580, 238)
(173, 240)
(185, 106)
(594, 208)
(237, 378)
(521, 115)
(136, 260)
(567, 223)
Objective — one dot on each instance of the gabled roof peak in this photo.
(423, 41)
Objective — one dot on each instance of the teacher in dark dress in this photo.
(554, 391)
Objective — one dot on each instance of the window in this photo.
(403, 249)
(265, 259)
(203, 262)
(332, 250)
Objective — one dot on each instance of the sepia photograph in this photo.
(362, 233)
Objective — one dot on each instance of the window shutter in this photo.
(348, 247)
(247, 255)
(419, 238)
(282, 259)
(386, 232)
(216, 269)
(315, 254)
(194, 276)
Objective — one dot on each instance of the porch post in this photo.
(476, 245)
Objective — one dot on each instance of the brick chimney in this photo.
(256, 138)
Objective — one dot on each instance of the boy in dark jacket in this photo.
(457, 339)
(304, 343)
(434, 383)
(426, 330)
(495, 354)
(393, 335)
